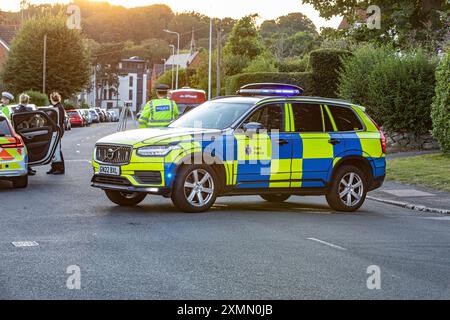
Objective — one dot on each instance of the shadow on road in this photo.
(225, 207)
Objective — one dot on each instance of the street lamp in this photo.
(173, 59)
(178, 51)
(164, 65)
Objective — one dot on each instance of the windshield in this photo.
(212, 115)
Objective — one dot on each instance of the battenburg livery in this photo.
(268, 141)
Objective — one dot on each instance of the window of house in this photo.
(131, 79)
(130, 95)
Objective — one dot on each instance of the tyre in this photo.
(348, 190)
(125, 199)
(20, 182)
(276, 198)
(195, 189)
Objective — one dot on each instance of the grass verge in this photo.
(428, 170)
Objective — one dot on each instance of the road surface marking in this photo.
(405, 193)
(79, 160)
(436, 218)
(327, 244)
(23, 244)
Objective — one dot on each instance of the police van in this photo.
(269, 140)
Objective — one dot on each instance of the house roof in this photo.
(182, 60)
(7, 33)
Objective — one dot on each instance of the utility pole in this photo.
(172, 65)
(219, 49)
(44, 68)
(210, 59)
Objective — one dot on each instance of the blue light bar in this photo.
(270, 89)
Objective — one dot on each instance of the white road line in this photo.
(79, 160)
(327, 244)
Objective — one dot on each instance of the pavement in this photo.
(244, 248)
(413, 197)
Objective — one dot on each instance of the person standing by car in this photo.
(6, 99)
(24, 100)
(159, 112)
(58, 166)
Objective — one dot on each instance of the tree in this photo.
(243, 45)
(68, 58)
(289, 25)
(405, 23)
(153, 50)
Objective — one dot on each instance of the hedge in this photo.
(38, 98)
(441, 105)
(326, 65)
(302, 79)
(397, 90)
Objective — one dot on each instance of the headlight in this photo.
(156, 151)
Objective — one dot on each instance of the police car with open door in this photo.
(29, 139)
(269, 141)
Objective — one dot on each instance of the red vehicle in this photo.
(187, 98)
(76, 118)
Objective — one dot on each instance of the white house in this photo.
(132, 87)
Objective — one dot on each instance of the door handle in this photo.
(283, 142)
(334, 141)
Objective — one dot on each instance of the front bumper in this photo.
(97, 183)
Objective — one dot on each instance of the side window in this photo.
(271, 116)
(345, 119)
(4, 128)
(307, 117)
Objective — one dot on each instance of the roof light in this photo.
(270, 89)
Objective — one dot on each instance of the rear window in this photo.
(73, 113)
(4, 128)
(345, 119)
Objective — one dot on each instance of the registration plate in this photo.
(109, 170)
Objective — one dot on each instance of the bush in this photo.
(325, 65)
(38, 98)
(302, 79)
(262, 63)
(402, 90)
(353, 81)
(441, 105)
(294, 65)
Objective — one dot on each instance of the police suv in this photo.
(269, 140)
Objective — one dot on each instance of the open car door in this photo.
(40, 134)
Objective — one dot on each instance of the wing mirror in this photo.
(253, 127)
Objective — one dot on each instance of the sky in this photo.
(267, 9)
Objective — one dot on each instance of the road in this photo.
(242, 249)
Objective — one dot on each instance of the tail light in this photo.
(16, 143)
(382, 136)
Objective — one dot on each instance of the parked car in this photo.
(101, 114)
(29, 139)
(114, 117)
(86, 115)
(67, 124)
(94, 115)
(107, 116)
(76, 119)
